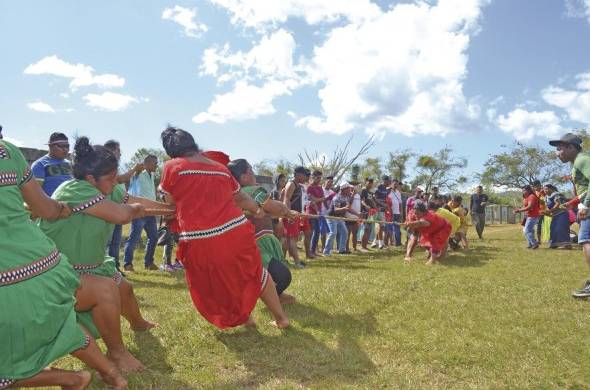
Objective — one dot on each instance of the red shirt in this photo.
(317, 192)
(533, 202)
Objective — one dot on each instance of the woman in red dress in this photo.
(434, 231)
(219, 253)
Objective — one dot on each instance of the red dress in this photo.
(436, 235)
(222, 263)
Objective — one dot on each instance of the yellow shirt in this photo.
(460, 212)
(451, 218)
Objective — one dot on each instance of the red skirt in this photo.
(436, 241)
(224, 275)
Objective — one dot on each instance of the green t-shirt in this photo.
(82, 237)
(581, 175)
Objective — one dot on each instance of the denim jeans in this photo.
(337, 228)
(529, 230)
(397, 232)
(315, 233)
(114, 244)
(150, 226)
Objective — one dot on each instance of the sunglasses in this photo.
(62, 146)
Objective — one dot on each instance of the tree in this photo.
(371, 169)
(271, 168)
(521, 165)
(397, 164)
(339, 163)
(142, 153)
(439, 169)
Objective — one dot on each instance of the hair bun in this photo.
(82, 148)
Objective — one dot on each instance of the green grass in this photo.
(495, 316)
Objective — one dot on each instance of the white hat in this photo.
(345, 185)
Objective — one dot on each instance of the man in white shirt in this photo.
(395, 196)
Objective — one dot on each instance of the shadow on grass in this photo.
(177, 282)
(472, 257)
(300, 356)
(357, 261)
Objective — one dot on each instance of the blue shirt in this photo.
(142, 185)
(52, 171)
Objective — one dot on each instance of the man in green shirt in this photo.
(569, 149)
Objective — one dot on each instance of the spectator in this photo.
(418, 192)
(143, 185)
(381, 203)
(542, 231)
(278, 193)
(329, 194)
(560, 224)
(395, 197)
(293, 199)
(53, 169)
(533, 210)
(114, 244)
(477, 206)
(338, 208)
(315, 194)
(367, 209)
(353, 213)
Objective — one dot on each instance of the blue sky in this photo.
(264, 80)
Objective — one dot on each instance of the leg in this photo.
(315, 234)
(130, 308)
(397, 232)
(151, 229)
(366, 234)
(71, 380)
(324, 229)
(100, 294)
(115, 243)
(412, 242)
(282, 276)
(134, 237)
(93, 357)
(343, 234)
(307, 242)
(331, 236)
(355, 230)
(481, 224)
(271, 299)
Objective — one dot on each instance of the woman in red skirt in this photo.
(219, 253)
(434, 231)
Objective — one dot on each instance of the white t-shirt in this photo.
(396, 201)
(356, 206)
(327, 203)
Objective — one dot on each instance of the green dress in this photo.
(37, 284)
(268, 244)
(82, 237)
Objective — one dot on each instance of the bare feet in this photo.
(250, 323)
(407, 259)
(430, 262)
(143, 326)
(114, 379)
(282, 323)
(287, 299)
(80, 380)
(125, 361)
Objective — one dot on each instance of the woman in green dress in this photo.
(37, 287)
(98, 202)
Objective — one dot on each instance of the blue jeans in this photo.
(324, 228)
(115, 243)
(315, 233)
(337, 228)
(397, 232)
(529, 230)
(150, 226)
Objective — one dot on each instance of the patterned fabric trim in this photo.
(86, 343)
(5, 383)
(85, 267)
(216, 231)
(264, 279)
(90, 203)
(262, 233)
(3, 155)
(26, 177)
(29, 271)
(117, 277)
(203, 172)
(126, 198)
(8, 179)
(238, 189)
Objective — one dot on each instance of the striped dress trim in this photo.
(17, 275)
(216, 231)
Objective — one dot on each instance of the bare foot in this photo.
(407, 259)
(430, 261)
(250, 323)
(114, 379)
(282, 323)
(81, 379)
(287, 299)
(143, 326)
(125, 361)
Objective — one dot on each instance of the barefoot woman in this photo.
(223, 266)
(37, 286)
(98, 203)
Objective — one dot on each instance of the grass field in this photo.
(495, 316)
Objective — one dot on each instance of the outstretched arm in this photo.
(40, 204)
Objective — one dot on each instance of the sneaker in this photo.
(177, 265)
(382, 247)
(129, 268)
(583, 293)
(167, 268)
(374, 245)
(585, 286)
(151, 267)
(299, 265)
(363, 250)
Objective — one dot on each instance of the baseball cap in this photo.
(345, 185)
(568, 138)
(300, 170)
(385, 178)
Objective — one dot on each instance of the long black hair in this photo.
(92, 160)
(238, 167)
(177, 142)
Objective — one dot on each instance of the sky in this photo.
(264, 80)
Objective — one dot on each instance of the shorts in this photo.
(584, 234)
(292, 228)
(304, 225)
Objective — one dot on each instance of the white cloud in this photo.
(109, 101)
(81, 75)
(292, 115)
(261, 14)
(525, 125)
(185, 17)
(578, 9)
(245, 101)
(575, 102)
(40, 106)
(14, 141)
(69, 110)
